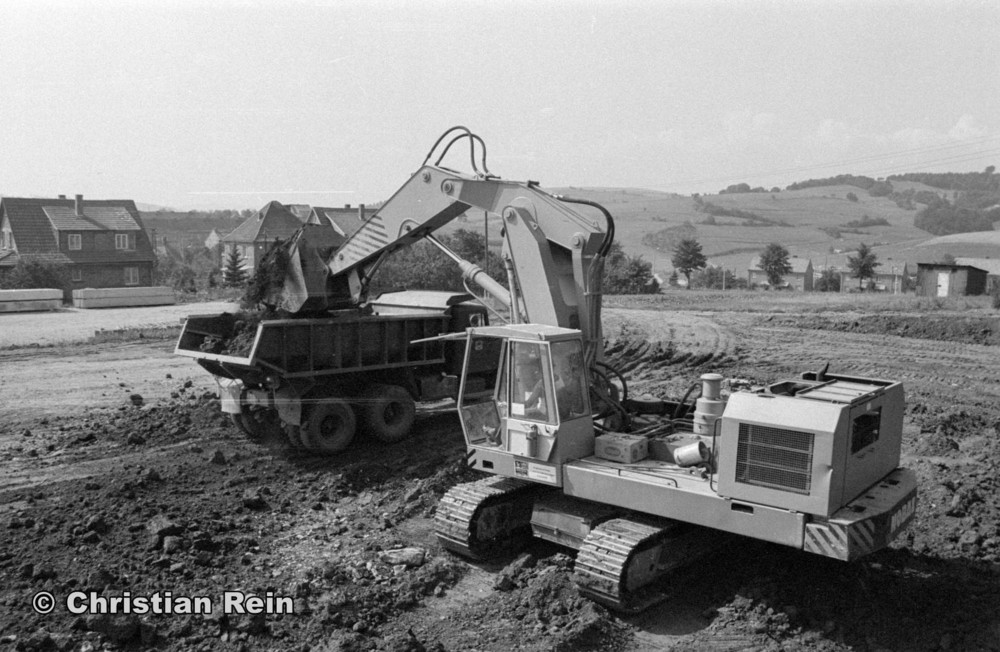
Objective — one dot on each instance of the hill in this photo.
(819, 223)
(824, 223)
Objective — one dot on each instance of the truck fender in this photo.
(289, 406)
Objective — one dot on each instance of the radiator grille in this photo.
(774, 457)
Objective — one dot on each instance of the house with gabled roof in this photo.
(800, 278)
(344, 220)
(274, 221)
(101, 241)
(892, 278)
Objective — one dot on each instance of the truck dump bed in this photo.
(346, 342)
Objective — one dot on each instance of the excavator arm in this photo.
(553, 253)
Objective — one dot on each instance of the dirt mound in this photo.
(968, 329)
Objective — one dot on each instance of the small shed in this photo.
(800, 278)
(943, 280)
(991, 265)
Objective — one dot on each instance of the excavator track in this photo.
(485, 518)
(621, 560)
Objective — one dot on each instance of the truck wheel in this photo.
(329, 426)
(237, 420)
(387, 412)
(261, 425)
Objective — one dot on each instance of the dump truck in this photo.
(638, 486)
(345, 371)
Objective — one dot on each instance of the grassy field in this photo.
(799, 302)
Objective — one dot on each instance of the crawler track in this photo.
(622, 561)
(485, 518)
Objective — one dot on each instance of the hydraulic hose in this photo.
(677, 411)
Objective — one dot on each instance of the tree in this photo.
(863, 265)
(829, 281)
(234, 274)
(774, 263)
(688, 257)
(717, 278)
(624, 274)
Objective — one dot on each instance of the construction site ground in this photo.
(119, 474)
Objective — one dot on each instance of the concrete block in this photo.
(29, 300)
(123, 297)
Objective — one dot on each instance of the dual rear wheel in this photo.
(329, 424)
(384, 411)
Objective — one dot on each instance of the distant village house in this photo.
(800, 278)
(894, 279)
(275, 221)
(101, 241)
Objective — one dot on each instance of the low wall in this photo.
(27, 300)
(122, 297)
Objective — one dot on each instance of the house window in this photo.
(6, 240)
(131, 276)
(125, 241)
(74, 241)
(77, 275)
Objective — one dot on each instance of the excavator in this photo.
(638, 486)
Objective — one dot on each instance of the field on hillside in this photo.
(645, 215)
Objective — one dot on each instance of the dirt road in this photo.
(69, 325)
(91, 493)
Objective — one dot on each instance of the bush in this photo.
(28, 274)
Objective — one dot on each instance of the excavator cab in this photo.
(538, 415)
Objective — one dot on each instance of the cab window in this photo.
(531, 391)
(572, 396)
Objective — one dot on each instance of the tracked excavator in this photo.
(639, 486)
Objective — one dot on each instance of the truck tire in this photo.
(329, 426)
(387, 412)
(262, 425)
(237, 420)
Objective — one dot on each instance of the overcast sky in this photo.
(233, 104)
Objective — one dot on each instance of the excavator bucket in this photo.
(304, 284)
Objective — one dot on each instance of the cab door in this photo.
(531, 416)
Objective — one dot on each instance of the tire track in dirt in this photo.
(923, 365)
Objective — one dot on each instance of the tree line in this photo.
(689, 259)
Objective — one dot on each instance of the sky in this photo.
(231, 104)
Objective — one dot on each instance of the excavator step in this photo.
(622, 561)
(485, 518)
